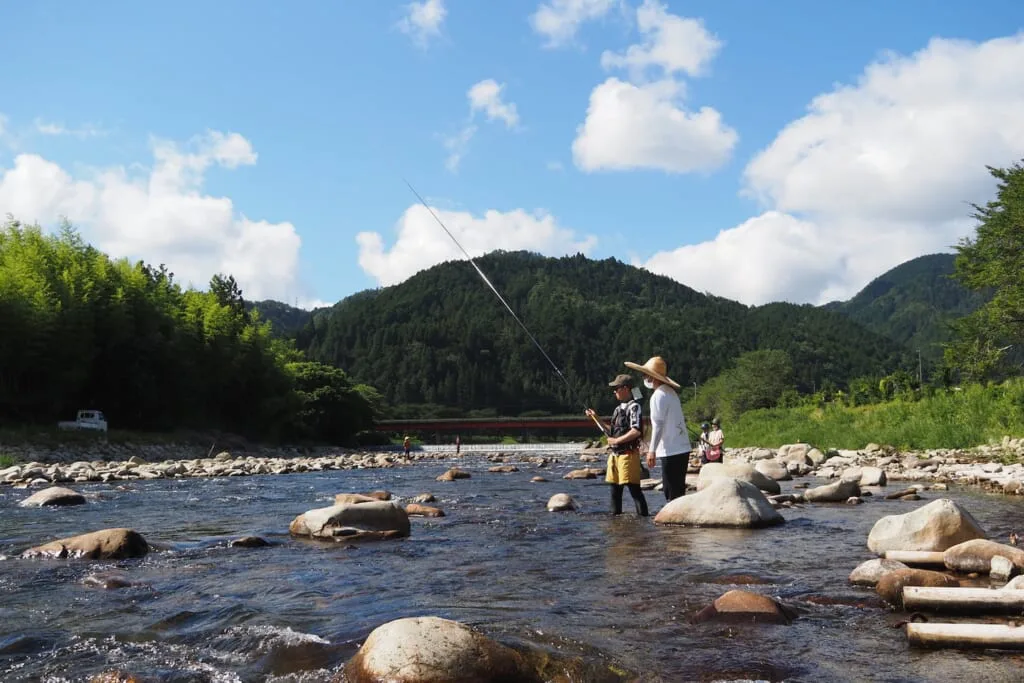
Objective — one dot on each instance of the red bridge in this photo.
(469, 424)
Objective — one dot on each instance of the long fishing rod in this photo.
(502, 300)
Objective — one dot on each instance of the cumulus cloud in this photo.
(484, 96)
(631, 127)
(162, 215)
(421, 243)
(422, 20)
(875, 173)
(559, 20)
(644, 123)
(671, 43)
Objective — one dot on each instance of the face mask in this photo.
(649, 383)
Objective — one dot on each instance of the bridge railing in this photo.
(493, 448)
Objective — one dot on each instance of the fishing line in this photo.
(498, 294)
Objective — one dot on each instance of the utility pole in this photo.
(694, 391)
(920, 373)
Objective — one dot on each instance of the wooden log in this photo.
(995, 636)
(916, 557)
(972, 600)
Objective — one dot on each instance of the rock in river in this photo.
(723, 502)
(936, 526)
(105, 544)
(348, 521)
(435, 650)
(54, 495)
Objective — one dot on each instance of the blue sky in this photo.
(263, 140)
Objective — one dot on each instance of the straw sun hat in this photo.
(655, 368)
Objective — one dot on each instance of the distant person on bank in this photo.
(716, 442)
(624, 435)
(670, 441)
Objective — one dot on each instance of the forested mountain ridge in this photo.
(442, 337)
(913, 303)
(285, 320)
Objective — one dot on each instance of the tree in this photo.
(993, 260)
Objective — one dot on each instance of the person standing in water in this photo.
(670, 441)
(624, 433)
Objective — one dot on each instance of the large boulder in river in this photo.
(870, 573)
(890, 585)
(976, 556)
(724, 502)
(773, 469)
(105, 544)
(936, 526)
(836, 492)
(353, 521)
(736, 470)
(434, 650)
(54, 495)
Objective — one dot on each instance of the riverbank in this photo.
(995, 468)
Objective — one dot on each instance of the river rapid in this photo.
(613, 595)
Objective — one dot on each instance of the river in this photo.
(613, 594)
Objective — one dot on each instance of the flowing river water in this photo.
(612, 595)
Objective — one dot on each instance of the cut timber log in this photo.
(972, 600)
(916, 557)
(996, 636)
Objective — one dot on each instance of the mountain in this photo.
(442, 337)
(285, 320)
(913, 303)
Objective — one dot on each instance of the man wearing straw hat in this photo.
(670, 440)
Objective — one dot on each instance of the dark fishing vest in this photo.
(620, 425)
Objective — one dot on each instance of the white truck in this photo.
(86, 419)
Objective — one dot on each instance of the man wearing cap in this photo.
(624, 434)
(670, 440)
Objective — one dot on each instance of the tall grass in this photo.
(969, 417)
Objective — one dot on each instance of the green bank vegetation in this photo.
(83, 331)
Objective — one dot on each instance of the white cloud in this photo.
(484, 96)
(559, 20)
(632, 127)
(645, 124)
(85, 131)
(161, 215)
(457, 145)
(874, 174)
(421, 243)
(423, 20)
(673, 44)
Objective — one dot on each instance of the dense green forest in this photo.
(914, 304)
(81, 330)
(442, 338)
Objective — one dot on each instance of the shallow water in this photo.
(614, 593)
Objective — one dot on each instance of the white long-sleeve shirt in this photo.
(668, 426)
